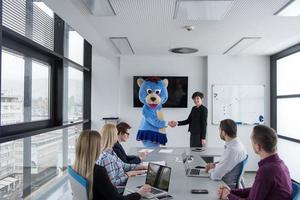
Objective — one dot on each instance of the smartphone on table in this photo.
(199, 191)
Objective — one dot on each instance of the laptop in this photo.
(192, 172)
(158, 177)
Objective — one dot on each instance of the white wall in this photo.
(105, 89)
(112, 90)
(193, 67)
(238, 70)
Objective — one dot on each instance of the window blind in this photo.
(30, 18)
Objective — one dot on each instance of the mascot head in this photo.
(153, 92)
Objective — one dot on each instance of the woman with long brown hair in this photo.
(88, 150)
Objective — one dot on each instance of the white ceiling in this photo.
(151, 29)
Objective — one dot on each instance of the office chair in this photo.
(79, 185)
(296, 191)
(240, 181)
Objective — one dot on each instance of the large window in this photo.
(46, 160)
(73, 45)
(288, 95)
(24, 89)
(288, 71)
(40, 90)
(45, 84)
(11, 170)
(75, 94)
(12, 88)
(285, 105)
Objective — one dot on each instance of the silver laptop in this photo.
(192, 172)
(158, 177)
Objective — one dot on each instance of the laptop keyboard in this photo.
(195, 172)
(155, 191)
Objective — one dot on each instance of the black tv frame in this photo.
(165, 105)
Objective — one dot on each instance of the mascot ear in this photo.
(140, 81)
(166, 82)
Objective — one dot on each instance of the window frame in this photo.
(14, 41)
(19, 43)
(273, 84)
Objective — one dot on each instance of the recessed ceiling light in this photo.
(241, 45)
(100, 7)
(291, 9)
(122, 44)
(183, 50)
(202, 9)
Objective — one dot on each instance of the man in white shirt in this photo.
(229, 166)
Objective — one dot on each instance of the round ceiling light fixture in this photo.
(183, 50)
(189, 28)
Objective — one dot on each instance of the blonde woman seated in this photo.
(118, 171)
(88, 149)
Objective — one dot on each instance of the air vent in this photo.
(183, 50)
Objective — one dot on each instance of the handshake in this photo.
(172, 123)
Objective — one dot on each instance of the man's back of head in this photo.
(229, 127)
(264, 139)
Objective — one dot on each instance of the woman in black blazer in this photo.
(197, 121)
(123, 136)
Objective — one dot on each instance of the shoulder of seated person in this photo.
(99, 167)
(268, 171)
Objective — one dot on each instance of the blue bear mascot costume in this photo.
(153, 94)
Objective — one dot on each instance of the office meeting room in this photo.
(150, 99)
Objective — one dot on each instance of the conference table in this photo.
(181, 185)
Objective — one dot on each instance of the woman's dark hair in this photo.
(123, 127)
(197, 94)
(266, 137)
(229, 127)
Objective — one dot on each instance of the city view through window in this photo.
(27, 86)
(13, 93)
(26, 78)
(46, 161)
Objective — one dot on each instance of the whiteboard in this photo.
(242, 103)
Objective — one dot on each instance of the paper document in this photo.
(165, 151)
(144, 150)
(156, 162)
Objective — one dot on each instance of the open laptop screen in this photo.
(158, 176)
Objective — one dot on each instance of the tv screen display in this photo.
(177, 90)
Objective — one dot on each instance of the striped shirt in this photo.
(115, 167)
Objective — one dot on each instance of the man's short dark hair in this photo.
(229, 127)
(197, 94)
(266, 137)
(123, 127)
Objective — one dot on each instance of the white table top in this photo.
(180, 184)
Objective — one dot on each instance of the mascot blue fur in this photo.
(153, 94)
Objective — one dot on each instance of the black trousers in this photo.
(195, 140)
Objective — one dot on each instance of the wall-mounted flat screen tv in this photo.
(177, 90)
